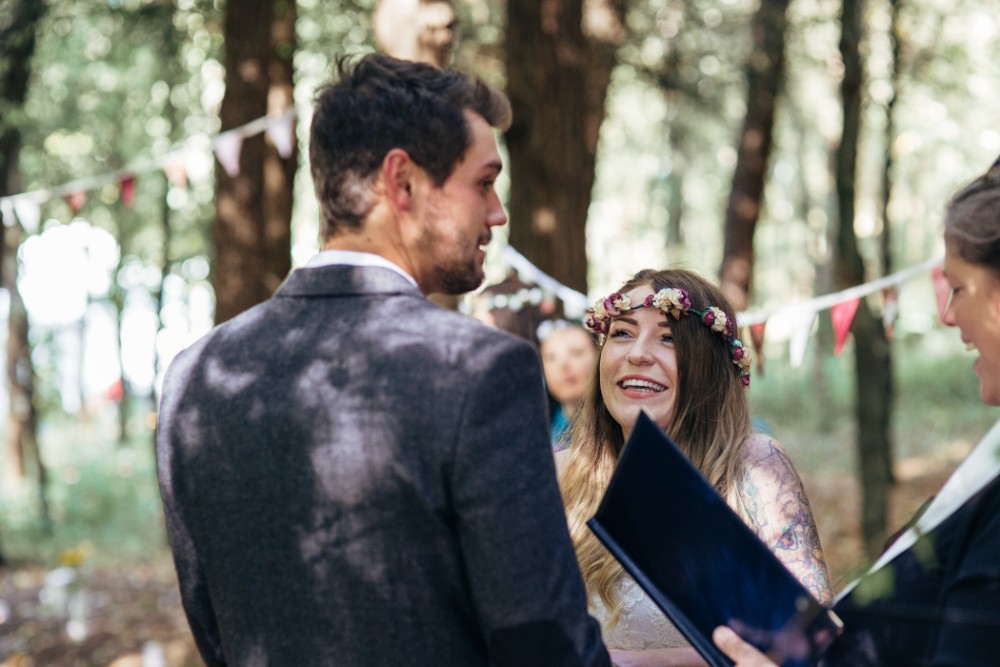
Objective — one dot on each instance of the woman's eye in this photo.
(618, 333)
(667, 338)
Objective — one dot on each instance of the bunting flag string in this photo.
(575, 303)
(25, 205)
(802, 314)
(827, 301)
(25, 208)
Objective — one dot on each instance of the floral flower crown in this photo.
(674, 302)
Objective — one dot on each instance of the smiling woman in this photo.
(669, 348)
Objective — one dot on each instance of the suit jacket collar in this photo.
(345, 280)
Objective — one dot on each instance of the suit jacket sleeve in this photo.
(520, 562)
(193, 587)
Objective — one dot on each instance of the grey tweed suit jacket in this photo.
(354, 476)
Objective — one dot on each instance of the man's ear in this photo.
(398, 173)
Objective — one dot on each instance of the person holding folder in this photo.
(933, 598)
(668, 346)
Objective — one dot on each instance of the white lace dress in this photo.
(640, 626)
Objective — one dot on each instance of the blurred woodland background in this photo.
(152, 182)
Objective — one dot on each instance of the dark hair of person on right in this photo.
(379, 103)
(972, 221)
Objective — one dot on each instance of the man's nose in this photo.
(496, 216)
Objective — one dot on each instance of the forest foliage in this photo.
(118, 81)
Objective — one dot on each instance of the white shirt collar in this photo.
(355, 258)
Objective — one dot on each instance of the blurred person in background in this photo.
(569, 353)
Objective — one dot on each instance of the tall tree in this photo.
(764, 73)
(559, 63)
(252, 233)
(17, 45)
(871, 349)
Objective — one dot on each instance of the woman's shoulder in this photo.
(766, 464)
(762, 449)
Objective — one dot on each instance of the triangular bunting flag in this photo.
(127, 188)
(76, 200)
(942, 292)
(29, 213)
(800, 338)
(7, 215)
(842, 316)
(176, 170)
(228, 146)
(890, 310)
(757, 339)
(281, 132)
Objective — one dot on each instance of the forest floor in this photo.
(130, 614)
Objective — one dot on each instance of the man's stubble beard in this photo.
(457, 280)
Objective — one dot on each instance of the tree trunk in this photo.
(765, 73)
(873, 406)
(896, 35)
(279, 172)
(17, 46)
(557, 79)
(252, 232)
(22, 428)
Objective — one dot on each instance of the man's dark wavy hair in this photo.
(379, 103)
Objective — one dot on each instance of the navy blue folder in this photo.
(697, 560)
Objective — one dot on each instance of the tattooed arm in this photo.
(778, 512)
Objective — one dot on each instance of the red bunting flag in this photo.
(127, 188)
(76, 200)
(842, 316)
(942, 292)
(757, 339)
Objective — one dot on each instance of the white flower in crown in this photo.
(672, 300)
(716, 318)
(599, 311)
(616, 303)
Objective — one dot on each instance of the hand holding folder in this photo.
(699, 562)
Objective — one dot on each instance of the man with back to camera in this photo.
(352, 475)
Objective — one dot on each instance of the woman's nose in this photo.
(947, 316)
(638, 354)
